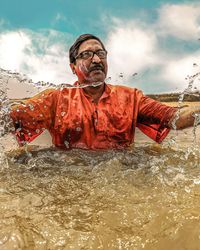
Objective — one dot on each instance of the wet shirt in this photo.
(74, 120)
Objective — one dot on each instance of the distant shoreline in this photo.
(174, 97)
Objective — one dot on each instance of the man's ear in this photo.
(72, 66)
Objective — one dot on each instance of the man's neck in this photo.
(95, 92)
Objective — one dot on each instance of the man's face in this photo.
(93, 68)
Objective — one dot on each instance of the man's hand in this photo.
(185, 117)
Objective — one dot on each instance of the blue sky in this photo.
(158, 40)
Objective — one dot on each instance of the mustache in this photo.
(96, 67)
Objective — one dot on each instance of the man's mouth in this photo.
(96, 68)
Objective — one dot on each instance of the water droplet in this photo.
(31, 106)
(63, 113)
(37, 131)
(78, 129)
(66, 144)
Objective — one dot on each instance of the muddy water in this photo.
(147, 197)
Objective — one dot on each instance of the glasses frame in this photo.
(79, 56)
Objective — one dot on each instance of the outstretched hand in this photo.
(185, 117)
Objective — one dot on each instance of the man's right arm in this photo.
(32, 116)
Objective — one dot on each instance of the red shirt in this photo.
(75, 121)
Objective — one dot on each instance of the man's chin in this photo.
(97, 76)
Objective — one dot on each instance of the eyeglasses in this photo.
(88, 54)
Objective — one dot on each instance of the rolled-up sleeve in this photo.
(154, 117)
(35, 115)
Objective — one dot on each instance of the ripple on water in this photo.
(144, 198)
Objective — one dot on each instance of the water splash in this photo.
(6, 124)
(6, 75)
(196, 123)
(190, 90)
(41, 85)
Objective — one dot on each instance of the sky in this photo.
(152, 45)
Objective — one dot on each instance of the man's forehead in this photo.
(89, 44)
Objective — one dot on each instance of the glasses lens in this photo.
(101, 54)
(86, 54)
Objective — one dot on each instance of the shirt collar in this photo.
(105, 94)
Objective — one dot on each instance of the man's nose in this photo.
(95, 58)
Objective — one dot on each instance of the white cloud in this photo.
(42, 56)
(59, 17)
(177, 70)
(12, 45)
(137, 46)
(180, 20)
(131, 49)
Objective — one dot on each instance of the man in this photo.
(93, 114)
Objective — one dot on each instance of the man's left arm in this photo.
(155, 119)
